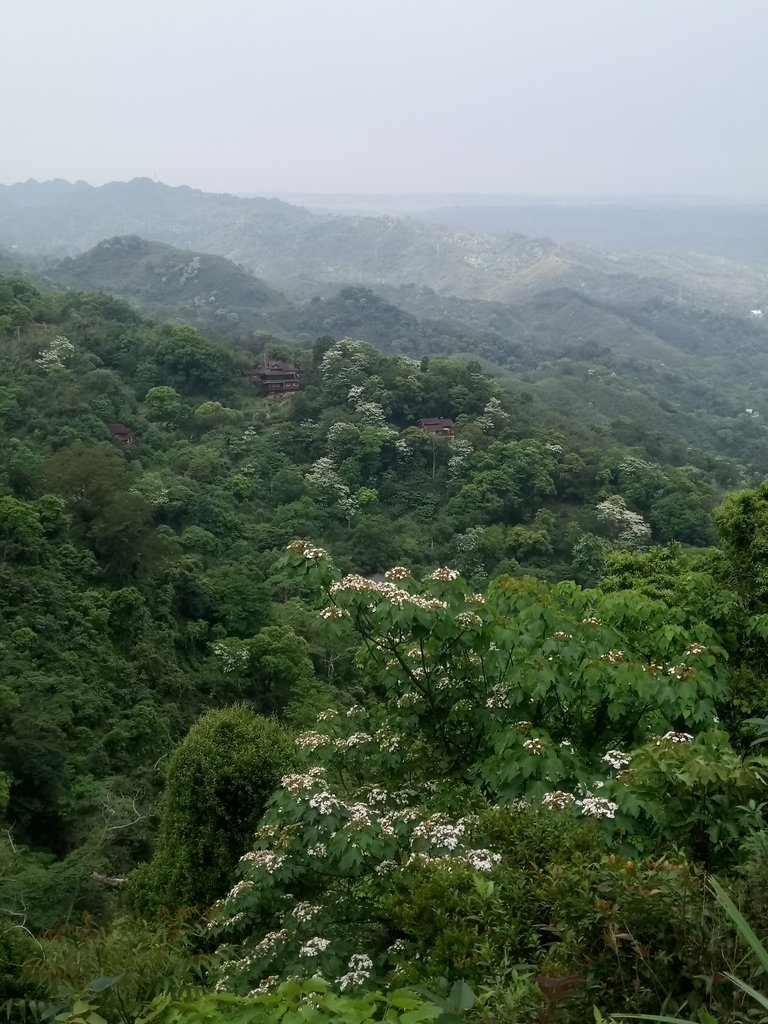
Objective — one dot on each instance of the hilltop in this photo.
(213, 292)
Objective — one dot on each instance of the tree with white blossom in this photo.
(56, 354)
(627, 527)
(527, 693)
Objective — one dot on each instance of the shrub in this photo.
(220, 778)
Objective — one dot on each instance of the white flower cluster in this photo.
(616, 759)
(359, 971)
(384, 589)
(327, 715)
(264, 859)
(191, 270)
(334, 613)
(675, 737)
(371, 413)
(324, 802)
(476, 599)
(397, 572)
(403, 449)
(304, 911)
(325, 483)
(310, 552)
(440, 831)
(303, 782)
(239, 889)
(499, 697)
(654, 670)
(265, 986)
(695, 648)
(633, 466)
(481, 860)
(597, 807)
(553, 449)
(468, 619)
(460, 457)
(388, 741)
(614, 656)
(355, 740)
(314, 946)
(268, 943)
(465, 704)
(493, 416)
(233, 654)
(562, 637)
(630, 527)
(347, 348)
(311, 740)
(557, 799)
(444, 575)
(534, 746)
(680, 671)
(58, 350)
(592, 620)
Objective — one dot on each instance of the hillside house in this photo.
(122, 434)
(276, 378)
(437, 426)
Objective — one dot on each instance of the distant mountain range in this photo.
(737, 232)
(304, 253)
(664, 341)
(284, 244)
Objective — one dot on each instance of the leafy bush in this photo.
(122, 969)
(587, 924)
(308, 1002)
(219, 780)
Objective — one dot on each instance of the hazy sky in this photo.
(515, 96)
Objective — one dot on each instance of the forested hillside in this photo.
(282, 243)
(628, 361)
(294, 249)
(299, 698)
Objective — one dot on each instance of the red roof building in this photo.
(122, 434)
(437, 426)
(276, 378)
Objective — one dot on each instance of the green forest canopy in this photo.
(528, 742)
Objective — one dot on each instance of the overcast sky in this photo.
(506, 96)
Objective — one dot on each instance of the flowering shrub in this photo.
(55, 356)
(525, 695)
(626, 526)
(697, 792)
